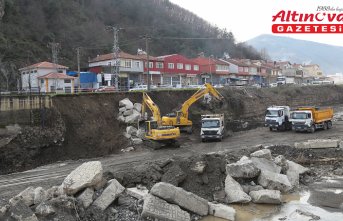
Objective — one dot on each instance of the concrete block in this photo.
(222, 211)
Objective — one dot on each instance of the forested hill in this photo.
(28, 26)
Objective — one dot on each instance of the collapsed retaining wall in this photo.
(86, 126)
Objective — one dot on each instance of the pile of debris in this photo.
(129, 112)
(260, 178)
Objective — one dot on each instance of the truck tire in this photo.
(312, 129)
(283, 127)
(329, 124)
(270, 128)
(325, 126)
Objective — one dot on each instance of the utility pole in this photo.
(147, 38)
(115, 70)
(78, 49)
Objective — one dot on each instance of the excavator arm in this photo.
(153, 108)
(199, 94)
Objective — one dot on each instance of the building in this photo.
(56, 83)
(156, 69)
(313, 70)
(30, 75)
(130, 69)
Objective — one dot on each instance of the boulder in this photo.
(112, 191)
(122, 110)
(126, 103)
(131, 130)
(21, 212)
(128, 113)
(199, 167)
(137, 107)
(40, 195)
(179, 196)
(266, 196)
(242, 169)
(297, 167)
(27, 196)
(136, 141)
(133, 118)
(159, 209)
(138, 192)
(86, 197)
(86, 175)
(264, 153)
(282, 162)
(222, 211)
(140, 134)
(265, 165)
(234, 191)
(274, 181)
(126, 135)
(44, 209)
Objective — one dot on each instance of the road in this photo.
(53, 174)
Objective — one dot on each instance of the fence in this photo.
(13, 103)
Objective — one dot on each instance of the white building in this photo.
(30, 74)
(56, 83)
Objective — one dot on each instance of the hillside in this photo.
(28, 26)
(329, 57)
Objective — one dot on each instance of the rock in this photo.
(44, 209)
(174, 175)
(282, 162)
(27, 196)
(126, 103)
(234, 191)
(128, 113)
(265, 165)
(266, 196)
(126, 135)
(131, 130)
(136, 141)
(318, 143)
(21, 212)
(138, 193)
(86, 175)
(264, 153)
(242, 169)
(86, 197)
(63, 202)
(179, 196)
(220, 196)
(293, 172)
(140, 134)
(159, 209)
(199, 167)
(112, 191)
(248, 188)
(133, 118)
(128, 149)
(222, 211)
(121, 119)
(122, 110)
(296, 167)
(137, 107)
(40, 195)
(274, 181)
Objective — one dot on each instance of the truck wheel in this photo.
(325, 126)
(270, 128)
(203, 140)
(282, 127)
(313, 129)
(329, 124)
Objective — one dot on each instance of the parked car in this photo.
(106, 89)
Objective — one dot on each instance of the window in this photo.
(151, 65)
(67, 81)
(179, 66)
(196, 67)
(137, 64)
(42, 81)
(126, 63)
(52, 89)
(159, 65)
(246, 69)
(67, 90)
(171, 65)
(188, 67)
(60, 71)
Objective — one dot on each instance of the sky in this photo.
(250, 18)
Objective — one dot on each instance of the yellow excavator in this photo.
(180, 117)
(153, 128)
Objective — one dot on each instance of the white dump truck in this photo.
(212, 127)
(278, 118)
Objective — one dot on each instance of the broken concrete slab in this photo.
(318, 143)
(293, 172)
(126, 103)
(266, 196)
(199, 167)
(265, 165)
(248, 188)
(222, 211)
(138, 193)
(159, 209)
(86, 175)
(179, 196)
(111, 192)
(264, 153)
(274, 181)
(21, 212)
(133, 118)
(297, 167)
(86, 197)
(128, 113)
(136, 141)
(122, 110)
(126, 135)
(44, 209)
(40, 195)
(27, 196)
(137, 107)
(131, 130)
(282, 162)
(234, 191)
(242, 169)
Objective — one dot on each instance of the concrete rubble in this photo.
(222, 211)
(86, 197)
(139, 192)
(318, 143)
(265, 165)
(266, 196)
(129, 112)
(274, 181)
(234, 191)
(264, 153)
(242, 169)
(112, 191)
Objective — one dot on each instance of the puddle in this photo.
(286, 212)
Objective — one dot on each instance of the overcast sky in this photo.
(250, 18)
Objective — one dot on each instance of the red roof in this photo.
(45, 64)
(105, 57)
(238, 63)
(56, 76)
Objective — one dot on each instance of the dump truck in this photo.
(311, 118)
(212, 127)
(278, 118)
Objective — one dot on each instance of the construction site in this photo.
(197, 154)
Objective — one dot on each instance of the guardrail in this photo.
(13, 103)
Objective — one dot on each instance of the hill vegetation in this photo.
(28, 26)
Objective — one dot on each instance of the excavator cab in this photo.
(149, 126)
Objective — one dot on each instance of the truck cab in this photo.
(277, 117)
(212, 127)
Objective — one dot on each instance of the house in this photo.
(56, 83)
(156, 69)
(313, 70)
(30, 75)
(130, 69)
